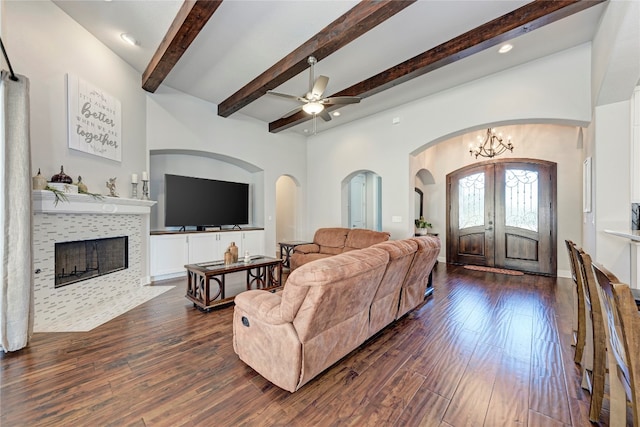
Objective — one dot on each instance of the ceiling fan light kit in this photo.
(312, 108)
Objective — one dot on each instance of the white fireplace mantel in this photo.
(44, 201)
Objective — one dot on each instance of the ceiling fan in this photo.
(312, 102)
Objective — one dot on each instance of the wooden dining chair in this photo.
(623, 347)
(594, 357)
(579, 314)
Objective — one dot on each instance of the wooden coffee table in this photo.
(262, 273)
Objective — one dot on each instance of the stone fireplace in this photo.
(84, 218)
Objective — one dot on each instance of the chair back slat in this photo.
(598, 352)
(580, 321)
(623, 328)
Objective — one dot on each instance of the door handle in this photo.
(489, 229)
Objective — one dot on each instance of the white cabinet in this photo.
(202, 247)
(224, 240)
(253, 241)
(171, 252)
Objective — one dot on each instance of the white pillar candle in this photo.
(144, 176)
(134, 178)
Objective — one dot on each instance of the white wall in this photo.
(179, 121)
(555, 89)
(611, 192)
(616, 72)
(286, 209)
(555, 143)
(45, 44)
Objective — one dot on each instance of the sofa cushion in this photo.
(359, 238)
(309, 248)
(330, 238)
(298, 259)
(321, 294)
(415, 284)
(385, 303)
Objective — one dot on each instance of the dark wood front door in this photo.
(502, 213)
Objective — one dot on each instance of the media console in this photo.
(170, 251)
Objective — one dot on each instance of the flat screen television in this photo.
(204, 202)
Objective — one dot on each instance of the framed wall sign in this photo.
(95, 120)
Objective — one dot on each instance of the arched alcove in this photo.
(362, 200)
(202, 164)
(287, 200)
(423, 179)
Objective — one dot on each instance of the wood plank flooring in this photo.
(485, 350)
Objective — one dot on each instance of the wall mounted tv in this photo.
(204, 202)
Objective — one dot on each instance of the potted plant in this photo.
(422, 226)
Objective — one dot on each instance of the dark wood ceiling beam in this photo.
(357, 21)
(518, 22)
(189, 21)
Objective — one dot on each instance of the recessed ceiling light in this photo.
(129, 39)
(336, 113)
(505, 48)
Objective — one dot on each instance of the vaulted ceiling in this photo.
(232, 52)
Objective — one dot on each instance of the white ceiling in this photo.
(243, 38)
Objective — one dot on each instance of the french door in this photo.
(503, 214)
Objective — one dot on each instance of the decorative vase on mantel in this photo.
(62, 177)
(39, 182)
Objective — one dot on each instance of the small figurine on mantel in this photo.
(82, 187)
(111, 185)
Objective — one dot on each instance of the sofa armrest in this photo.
(309, 248)
(262, 305)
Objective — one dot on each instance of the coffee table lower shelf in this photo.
(262, 273)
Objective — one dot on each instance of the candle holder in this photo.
(145, 189)
(134, 190)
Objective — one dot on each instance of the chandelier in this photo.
(492, 145)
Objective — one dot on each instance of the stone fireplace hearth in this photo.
(81, 218)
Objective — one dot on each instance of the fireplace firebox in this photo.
(82, 260)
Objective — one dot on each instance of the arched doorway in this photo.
(502, 213)
(362, 200)
(286, 209)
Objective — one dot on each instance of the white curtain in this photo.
(16, 291)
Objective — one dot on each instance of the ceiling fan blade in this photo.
(325, 115)
(340, 100)
(319, 86)
(285, 95)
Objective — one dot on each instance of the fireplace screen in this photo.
(82, 260)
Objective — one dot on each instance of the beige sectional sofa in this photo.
(333, 241)
(329, 307)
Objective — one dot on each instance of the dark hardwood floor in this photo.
(485, 350)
